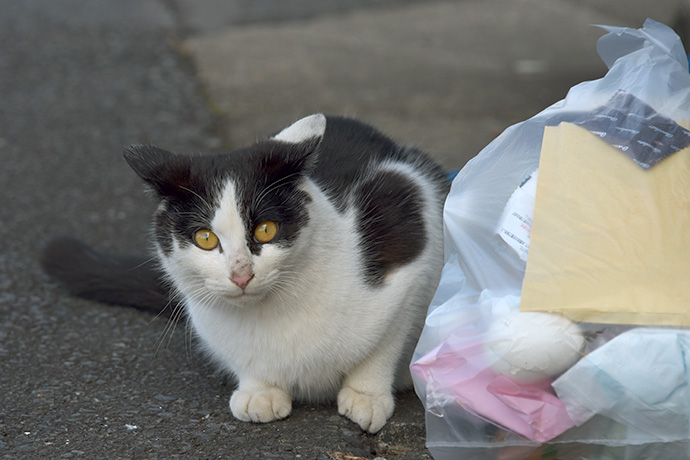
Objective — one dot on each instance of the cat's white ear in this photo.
(303, 130)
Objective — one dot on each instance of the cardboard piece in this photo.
(610, 241)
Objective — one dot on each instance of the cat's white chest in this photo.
(306, 345)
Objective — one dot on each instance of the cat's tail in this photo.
(120, 280)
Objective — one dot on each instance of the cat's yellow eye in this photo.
(206, 239)
(265, 231)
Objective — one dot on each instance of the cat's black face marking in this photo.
(180, 216)
(268, 190)
(266, 178)
(391, 220)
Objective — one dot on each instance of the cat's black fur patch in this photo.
(391, 223)
(389, 206)
(348, 150)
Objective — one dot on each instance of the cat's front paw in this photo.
(261, 406)
(369, 411)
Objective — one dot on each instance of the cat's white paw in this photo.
(261, 406)
(369, 411)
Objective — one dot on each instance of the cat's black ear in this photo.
(303, 137)
(168, 174)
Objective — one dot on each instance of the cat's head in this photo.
(232, 225)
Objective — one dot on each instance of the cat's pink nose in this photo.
(241, 280)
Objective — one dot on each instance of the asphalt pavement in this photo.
(79, 80)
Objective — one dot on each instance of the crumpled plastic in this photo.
(460, 369)
(649, 392)
(482, 270)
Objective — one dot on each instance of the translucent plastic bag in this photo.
(584, 390)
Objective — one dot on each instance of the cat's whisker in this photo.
(177, 313)
(204, 299)
(287, 288)
(174, 320)
(286, 282)
(203, 200)
(160, 313)
(146, 262)
(188, 337)
(172, 296)
(272, 187)
(169, 329)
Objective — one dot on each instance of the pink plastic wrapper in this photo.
(459, 369)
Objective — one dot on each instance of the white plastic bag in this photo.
(482, 281)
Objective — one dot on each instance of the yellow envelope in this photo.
(610, 241)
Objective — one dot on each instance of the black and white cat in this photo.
(305, 262)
